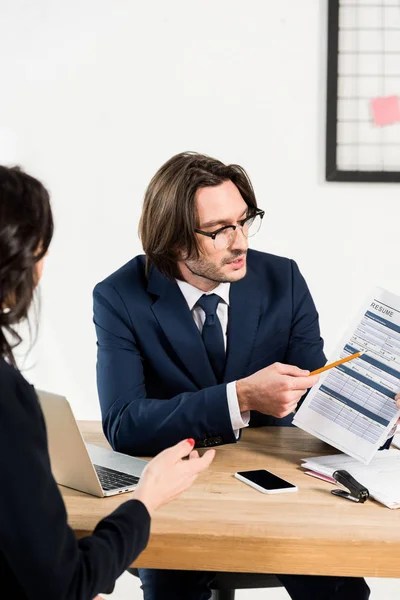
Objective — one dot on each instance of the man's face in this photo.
(216, 207)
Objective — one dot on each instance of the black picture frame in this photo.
(332, 173)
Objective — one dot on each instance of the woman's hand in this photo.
(168, 475)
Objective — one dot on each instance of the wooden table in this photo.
(221, 524)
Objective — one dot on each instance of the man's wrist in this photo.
(243, 395)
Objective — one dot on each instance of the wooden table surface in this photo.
(221, 524)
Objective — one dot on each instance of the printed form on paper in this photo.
(352, 407)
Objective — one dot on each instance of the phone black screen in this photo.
(266, 480)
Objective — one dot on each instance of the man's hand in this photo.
(274, 390)
(397, 398)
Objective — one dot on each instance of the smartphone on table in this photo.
(265, 482)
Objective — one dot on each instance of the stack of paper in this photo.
(381, 476)
(396, 440)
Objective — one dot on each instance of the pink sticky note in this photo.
(386, 110)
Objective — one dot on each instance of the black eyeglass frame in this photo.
(213, 235)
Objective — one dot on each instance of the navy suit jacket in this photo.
(155, 382)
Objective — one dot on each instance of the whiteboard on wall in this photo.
(363, 91)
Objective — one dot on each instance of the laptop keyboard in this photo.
(112, 480)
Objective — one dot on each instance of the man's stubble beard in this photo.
(201, 267)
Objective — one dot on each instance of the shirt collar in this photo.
(192, 294)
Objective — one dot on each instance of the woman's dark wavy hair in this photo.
(26, 230)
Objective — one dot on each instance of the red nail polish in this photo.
(191, 441)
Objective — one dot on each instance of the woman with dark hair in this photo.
(40, 559)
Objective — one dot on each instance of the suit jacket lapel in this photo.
(244, 316)
(174, 317)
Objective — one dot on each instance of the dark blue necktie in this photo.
(212, 334)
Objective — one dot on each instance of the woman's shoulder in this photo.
(14, 386)
(10, 374)
(21, 418)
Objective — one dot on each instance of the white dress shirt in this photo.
(192, 294)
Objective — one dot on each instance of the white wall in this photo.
(95, 95)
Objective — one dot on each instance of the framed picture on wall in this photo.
(363, 91)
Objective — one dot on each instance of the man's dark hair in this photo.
(169, 218)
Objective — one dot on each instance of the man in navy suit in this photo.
(202, 336)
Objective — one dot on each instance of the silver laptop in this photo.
(84, 467)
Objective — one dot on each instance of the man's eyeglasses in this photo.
(224, 236)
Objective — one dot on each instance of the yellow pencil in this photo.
(338, 362)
